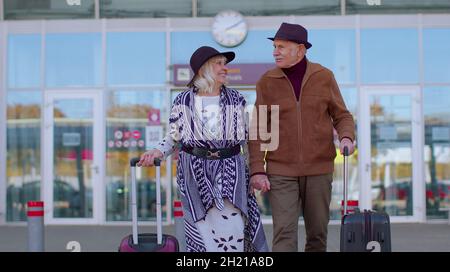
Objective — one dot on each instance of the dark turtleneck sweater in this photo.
(295, 75)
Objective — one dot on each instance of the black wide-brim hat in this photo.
(294, 33)
(202, 55)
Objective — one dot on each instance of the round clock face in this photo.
(229, 28)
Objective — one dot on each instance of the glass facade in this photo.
(24, 62)
(396, 6)
(135, 58)
(23, 160)
(132, 68)
(144, 8)
(436, 58)
(81, 9)
(389, 56)
(437, 150)
(73, 60)
(127, 125)
(267, 8)
(335, 49)
(391, 153)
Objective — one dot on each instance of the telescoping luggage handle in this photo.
(134, 215)
(345, 178)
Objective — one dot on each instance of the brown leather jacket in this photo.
(305, 127)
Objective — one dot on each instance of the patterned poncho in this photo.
(204, 183)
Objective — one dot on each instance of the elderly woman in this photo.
(220, 212)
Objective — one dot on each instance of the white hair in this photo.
(204, 80)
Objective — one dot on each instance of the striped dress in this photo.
(219, 212)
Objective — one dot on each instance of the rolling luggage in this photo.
(367, 231)
(147, 242)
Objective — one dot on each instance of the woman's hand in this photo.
(148, 158)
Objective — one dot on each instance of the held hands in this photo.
(346, 142)
(260, 183)
(148, 157)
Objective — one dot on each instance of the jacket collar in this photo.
(311, 68)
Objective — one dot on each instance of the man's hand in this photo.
(260, 183)
(346, 142)
(148, 157)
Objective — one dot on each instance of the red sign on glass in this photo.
(136, 134)
(154, 117)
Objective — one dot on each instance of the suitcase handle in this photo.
(134, 215)
(345, 179)
(134, 161)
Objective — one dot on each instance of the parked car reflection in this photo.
(119, 197)
(66, 200)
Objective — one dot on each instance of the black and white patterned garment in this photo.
(209, 184)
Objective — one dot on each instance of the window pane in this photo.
(437, 150)
(45, 9)
(24, 61)
(145, 8)
(436, 45)
(335, 49)
(23, 164)
(397, 6)
(265, 8)
(350, 96)
(127, 122)
(73, 60)
(391, 149)
(389, 56)
(136, 58)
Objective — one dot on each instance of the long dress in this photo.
(219, 212)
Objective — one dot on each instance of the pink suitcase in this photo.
(147, 242)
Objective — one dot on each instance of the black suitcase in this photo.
(147, 242)
(367, 231)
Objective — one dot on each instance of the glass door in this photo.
(72, 141)
(392, 152)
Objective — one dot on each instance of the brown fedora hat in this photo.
(202, 55)
(294, 33)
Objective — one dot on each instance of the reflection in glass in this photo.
(128, 121)
(24, 62)
(437, 151)
(145, 8)
(23, 163)
(73, 59)
(73, 158)
(391, 154)
(55, 9)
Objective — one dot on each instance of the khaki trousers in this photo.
(310, 195)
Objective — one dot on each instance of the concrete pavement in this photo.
(406, 237)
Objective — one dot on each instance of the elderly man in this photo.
(298, 174)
